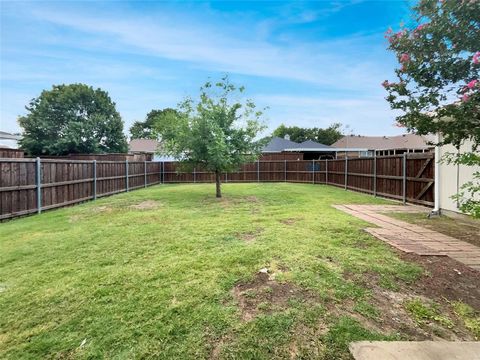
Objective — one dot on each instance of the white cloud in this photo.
(337, 63)
(326, 80)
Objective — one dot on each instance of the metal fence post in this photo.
(38, 180)
(194, 176)
(346, 171)
(126, 175)
(326, 171)
(145, 173)
(375, 174)
(313, 171)
(258, 171)
(404, 168)
(285, 170)
(94, 179)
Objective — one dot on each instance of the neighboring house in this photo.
(450, 177)
(8, 140)
(9, 146)
(147, 148)
(285, 149)
(362, 146)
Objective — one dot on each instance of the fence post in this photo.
(226, 177)
(313, 171)
(285, 170)
(375, 173)
(194, 176)
(404, 168)
(38, 180)
(326, 171)
(94, 179)
(126, 175)
(145, 173)
(346, 171)
(162, 176)
(258, 170)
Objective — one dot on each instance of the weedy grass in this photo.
(469, 316)
(116, 279)
(424, 312)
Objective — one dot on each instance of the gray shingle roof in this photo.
(278, 145)
(310, 144)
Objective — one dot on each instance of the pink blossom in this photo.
(476, 57)
(472, 84)
(385, 84)
(404, 58)
(420, 27)
(465, 97)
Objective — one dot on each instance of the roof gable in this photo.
(310, 144)
(278, 144)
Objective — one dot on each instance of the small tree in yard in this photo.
(216, 133)
(438, 87)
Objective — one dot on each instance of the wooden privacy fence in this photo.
(32, 185)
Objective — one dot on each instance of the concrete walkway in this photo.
(412, 238)
(415, 350)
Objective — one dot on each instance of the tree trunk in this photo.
(218, 184)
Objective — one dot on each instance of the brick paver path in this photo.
(413, 238)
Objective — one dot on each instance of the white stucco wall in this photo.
(451, 177)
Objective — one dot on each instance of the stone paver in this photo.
(413, 238)
(415, 350)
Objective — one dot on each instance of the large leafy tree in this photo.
(217, 132)
(325, 136)
(145, 129)
(72, 118)
(437, 88)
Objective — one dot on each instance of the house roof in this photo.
(405, 141)
(310, 144)
(8, 136)
(143, 145)
(278, 144)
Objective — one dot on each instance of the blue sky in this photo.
(311, 63)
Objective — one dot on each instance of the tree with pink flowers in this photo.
(437, 88)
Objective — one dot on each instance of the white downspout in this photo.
(436, 190)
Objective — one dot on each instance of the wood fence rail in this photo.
(32, 185)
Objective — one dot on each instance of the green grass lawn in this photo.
(171, 272)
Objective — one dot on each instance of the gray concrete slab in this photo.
(415, 350)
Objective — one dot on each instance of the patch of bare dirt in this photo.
(217, 348)
(227, 201)
(265, 295)
(290, 221)
(74, 218)
(445, 280)
(307, 341)
(146, 205)
(250, 235)
(102, 209)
